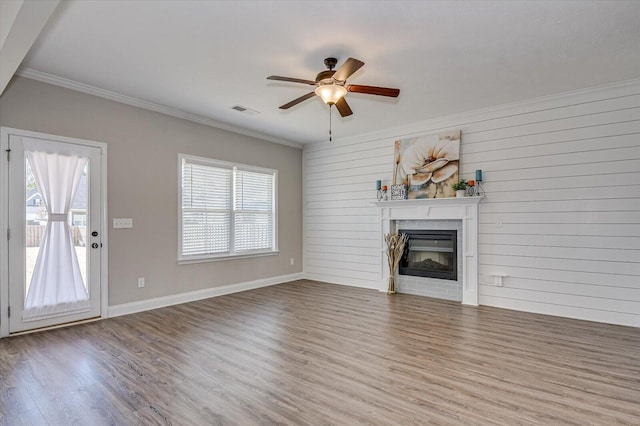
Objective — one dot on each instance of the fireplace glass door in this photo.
(430, 254)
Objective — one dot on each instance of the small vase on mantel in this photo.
(461, 193)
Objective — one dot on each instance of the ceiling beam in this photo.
(22, 21)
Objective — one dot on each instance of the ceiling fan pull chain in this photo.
(330, 140)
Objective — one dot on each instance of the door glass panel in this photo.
(79, 214)
(36, 222)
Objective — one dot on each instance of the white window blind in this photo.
(226, 209)
(206, 209)
(253, 211)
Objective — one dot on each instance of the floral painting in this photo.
(428, 165)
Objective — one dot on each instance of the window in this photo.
(226, 210)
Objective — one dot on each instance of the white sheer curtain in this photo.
(57, 286)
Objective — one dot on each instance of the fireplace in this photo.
(430, 253)
(460, 214)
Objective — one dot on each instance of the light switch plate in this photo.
(122, 223)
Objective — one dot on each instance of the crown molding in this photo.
(407, 130)
(151, 106)
(591, 94)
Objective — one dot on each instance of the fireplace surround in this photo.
(464, 210)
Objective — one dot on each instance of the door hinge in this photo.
(8, 153)
(9, 311)
(8, 233)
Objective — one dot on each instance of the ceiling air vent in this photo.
(245, 110)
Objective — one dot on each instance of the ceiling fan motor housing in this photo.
(324, 77)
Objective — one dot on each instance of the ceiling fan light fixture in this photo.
(331, 86)
(331, 93)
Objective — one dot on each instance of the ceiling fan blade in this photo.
(292, 80)
(343, 108)
(298, 100)
(349, 67)
(373, 90)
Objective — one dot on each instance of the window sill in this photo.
(227, 257)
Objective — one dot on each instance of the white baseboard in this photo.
(192, 296)
(342, 281)
(574, 312)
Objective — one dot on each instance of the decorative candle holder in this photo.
(471, 188)
(478, 190)
(379, 192)
(382, 194)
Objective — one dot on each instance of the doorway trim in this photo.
(5, 132)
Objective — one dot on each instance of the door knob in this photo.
(94, 233)
(94, 245)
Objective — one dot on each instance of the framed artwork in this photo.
(429, 165)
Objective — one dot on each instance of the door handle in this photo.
(94, 245)
(94, 234)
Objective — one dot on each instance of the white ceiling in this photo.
(203, 57)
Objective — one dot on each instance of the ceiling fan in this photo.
(331, 86)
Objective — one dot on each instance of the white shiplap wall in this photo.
(562, 175)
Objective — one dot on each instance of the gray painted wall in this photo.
(142, 184)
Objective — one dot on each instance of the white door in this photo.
(55, 233)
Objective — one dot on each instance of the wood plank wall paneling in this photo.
(562, 176)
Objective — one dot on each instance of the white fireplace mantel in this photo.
(464, 209)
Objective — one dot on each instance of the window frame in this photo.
(182, 259)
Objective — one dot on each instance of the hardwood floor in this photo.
(308, 353)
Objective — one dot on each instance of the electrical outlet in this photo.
(498, 279)
(140, 282)
(292, 262)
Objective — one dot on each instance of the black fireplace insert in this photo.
(432, 254)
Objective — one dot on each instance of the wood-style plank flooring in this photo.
(309, 353)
